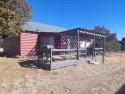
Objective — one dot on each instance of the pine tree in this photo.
(112, 43)
(123, 44)
(12, 14)
(1, 42)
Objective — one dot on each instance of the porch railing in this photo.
(100, 51)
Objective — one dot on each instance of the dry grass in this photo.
(80, 79)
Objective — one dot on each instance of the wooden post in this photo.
(85, 50)
(103, 57)
(94, 47)
(50, 58)
(104, 45)
(78, 45)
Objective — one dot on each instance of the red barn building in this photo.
(35, 34)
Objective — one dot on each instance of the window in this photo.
(47, 41)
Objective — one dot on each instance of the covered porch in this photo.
(76, 46)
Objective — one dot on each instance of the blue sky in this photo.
(81, 13)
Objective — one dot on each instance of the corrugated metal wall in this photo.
(12, 46)
(28, 44)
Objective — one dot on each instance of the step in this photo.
(93, 62)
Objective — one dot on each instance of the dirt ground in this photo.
(84, 78)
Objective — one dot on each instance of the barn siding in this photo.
(12, 46)
(28, 44)
(65, 36)
(57, 41)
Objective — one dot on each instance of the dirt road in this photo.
(84, 78)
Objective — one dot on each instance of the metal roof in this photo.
(39, 27)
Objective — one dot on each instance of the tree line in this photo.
(112, 42)
(13, 13)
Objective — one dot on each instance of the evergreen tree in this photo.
(12, 14)
(101, 29)
(123, 44)
(1, 42)
(112, 43)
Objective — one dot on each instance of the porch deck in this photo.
(64, 63)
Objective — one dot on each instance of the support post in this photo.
(103, 57)
(104, 45)
(85, 50)
(78, 45)
(50, 58)
(93, 48)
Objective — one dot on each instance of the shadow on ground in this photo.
(34, 64)
(29, 64)
(121, 90)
